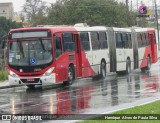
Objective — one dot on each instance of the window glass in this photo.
(94, 41)
(139, 39)
(32, 53)
(119, 40)
(144, 39)
(125, 40)
(129, 40)
(68, 42)
(58, 47)
(147, 39)
(154, 37)
(84, 41)
(103, 40)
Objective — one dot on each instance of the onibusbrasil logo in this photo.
(143, 10)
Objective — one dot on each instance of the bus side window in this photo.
(125, 41)
(75, 38)
(84, 41)
(129, 40)
(103, 40)
(154, 36)
(58, 46)
(119, 43)
(144, 39)
(147, 39)
(95, 41)
(139, 39)
(68, 42)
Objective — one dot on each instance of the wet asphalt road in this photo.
(85, 96)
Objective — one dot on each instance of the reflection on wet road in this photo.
(85, 96)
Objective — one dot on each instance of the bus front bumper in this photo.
(43, 80)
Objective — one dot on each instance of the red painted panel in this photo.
(146, 52)
(86, 68)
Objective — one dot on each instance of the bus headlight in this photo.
(13, 74)
(49, 72)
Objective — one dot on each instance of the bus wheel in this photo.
(70, 76)
(148, 63)
(103, 69)
(128, 67)
(31, 86)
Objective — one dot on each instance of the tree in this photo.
(93, 12)
(6, 25)
(34, 8)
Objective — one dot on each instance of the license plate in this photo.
(30, 80)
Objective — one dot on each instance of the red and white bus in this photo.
(47, 55)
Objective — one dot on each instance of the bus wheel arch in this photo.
(103, 68)
(70, 74)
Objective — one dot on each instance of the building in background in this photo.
(6, 10)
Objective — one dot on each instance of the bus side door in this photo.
(78, 55)
(60, 59)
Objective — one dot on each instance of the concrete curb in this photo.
(4, 87)
(5, 84)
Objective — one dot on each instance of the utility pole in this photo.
(127, 13)
(157, 21)
(137, 19)
(131, 5)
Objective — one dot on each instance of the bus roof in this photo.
(96, 28)
(121, 29)
(71, 28)
(53, 29)
(143, 29)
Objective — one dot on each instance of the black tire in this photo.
(128, 67)
(31, 86)
(148, 64)
(103, 70)
(70, 76)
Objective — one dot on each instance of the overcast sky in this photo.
(19, 3)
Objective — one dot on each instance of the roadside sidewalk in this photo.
(5, 84)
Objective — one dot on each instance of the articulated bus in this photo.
(47, 55)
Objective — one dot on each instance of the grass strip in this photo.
(3, 75)
(152, 109)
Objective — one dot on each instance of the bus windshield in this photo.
(30, 53)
